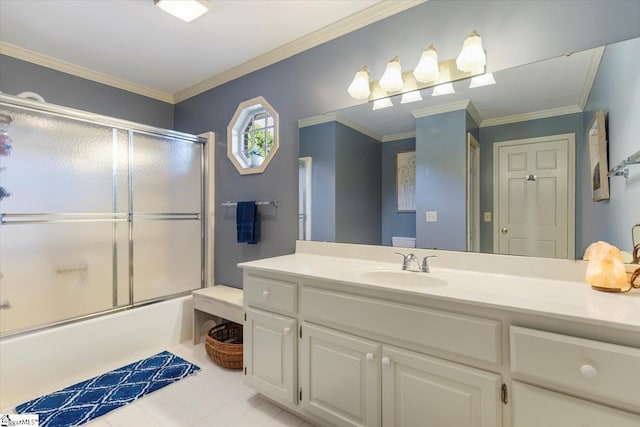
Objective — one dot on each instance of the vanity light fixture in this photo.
(391, 80)
(429, 72)
(482, 80)
(443, 89)
(472, 55)
(187, 10)
(427, 69)
(359, 87)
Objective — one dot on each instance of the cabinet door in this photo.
(340, 377)
(269, 354)
(423, 391)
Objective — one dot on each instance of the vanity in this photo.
(338, 334)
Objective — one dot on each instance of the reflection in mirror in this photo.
(533, 193)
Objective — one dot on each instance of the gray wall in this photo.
(570, 123)
(441, 180)
(616, 90)
(394, 223)
(59, 88)
(358, 182)
(319, 142)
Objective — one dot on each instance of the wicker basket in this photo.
(224, 345)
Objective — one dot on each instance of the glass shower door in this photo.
(61, 218)
(167, 181)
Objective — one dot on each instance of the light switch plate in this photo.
(432, 216)
(487, 217)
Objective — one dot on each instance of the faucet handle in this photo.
(425, 262)
(407, 259)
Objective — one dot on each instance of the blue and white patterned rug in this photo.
(82, 402)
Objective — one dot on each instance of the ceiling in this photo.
(138, 47)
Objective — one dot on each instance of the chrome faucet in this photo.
(408, 259)
(425, 263)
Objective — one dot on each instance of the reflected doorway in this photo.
(304, 198)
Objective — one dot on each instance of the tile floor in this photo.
(213, 397)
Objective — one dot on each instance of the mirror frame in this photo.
(234, 131)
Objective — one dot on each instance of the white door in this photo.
(423, 391)
(473, 194)
(340, 377)
(534, 202)
(269, 350)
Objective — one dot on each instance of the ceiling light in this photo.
(359, 87)
(187, 10)
(391, 80)
(427, 69)
(472, 57)
(482, 80)
(379, 104)
(443, 89)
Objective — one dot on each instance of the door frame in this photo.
(473, 212)
(308, 163)
(571, 188)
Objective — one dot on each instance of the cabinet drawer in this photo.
(271, 294)
(535, 407)
(465, 335)
(600, 369)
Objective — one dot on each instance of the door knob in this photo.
(287, 331)
(504, 230)
(386, 361)
(266, 294)
(369, 356)
(588, 371)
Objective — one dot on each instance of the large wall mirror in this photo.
(499, 168)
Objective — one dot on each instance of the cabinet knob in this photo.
(369, 356)
(287, 331)
(588, 371)
(266, 294)
(386, 361)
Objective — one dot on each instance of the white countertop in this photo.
(563, 299)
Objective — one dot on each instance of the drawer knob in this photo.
(386, 361)
(588, 371)
(266, 294)
(369, 356)
(287, 331)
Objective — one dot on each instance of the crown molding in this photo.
(399, 136)
(334, 117)
(543, 114)
(471, 109)
(85, 73)
(439, 109)
(592, 71)
(346, 25)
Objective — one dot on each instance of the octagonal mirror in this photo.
(252, 136)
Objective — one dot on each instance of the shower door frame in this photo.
(115, 217)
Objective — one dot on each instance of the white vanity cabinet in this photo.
(270, 337)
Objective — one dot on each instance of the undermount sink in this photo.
(402, 278)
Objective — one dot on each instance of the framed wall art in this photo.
(406, 181)
(597, 139)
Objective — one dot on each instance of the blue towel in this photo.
(247, 222)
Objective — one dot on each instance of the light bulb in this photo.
(359, 87)
(391, 80)
(427, 69)
(472, 57)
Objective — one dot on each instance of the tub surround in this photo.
(335, 343)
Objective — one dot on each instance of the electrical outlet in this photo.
(432, 216)
(487, 217)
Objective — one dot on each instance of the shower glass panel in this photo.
(97, 214)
